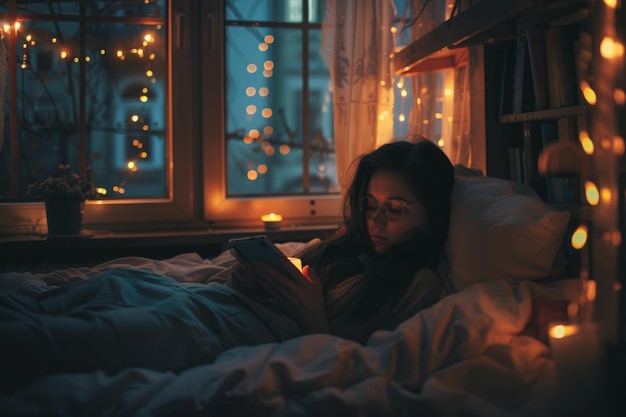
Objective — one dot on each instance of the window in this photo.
(275, 109)
(90, 83)
(189, 113)
(148, 95)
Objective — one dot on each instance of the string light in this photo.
(579, 237)
(266, 140)
(64, 53)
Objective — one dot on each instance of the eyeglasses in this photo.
(392, 209)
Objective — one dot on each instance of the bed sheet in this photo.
(463, 356)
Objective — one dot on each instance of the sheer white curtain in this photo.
(356, 44)
(441, 109)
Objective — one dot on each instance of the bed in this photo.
(481, 350)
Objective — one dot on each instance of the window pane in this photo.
(69, 7)
(277, 142)
(120, 8)
(125, 8)
(112, 117)
(126, 97)
(322, 148)
(47, 98)
(274, 11)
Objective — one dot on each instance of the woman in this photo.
(363, 279)
(379, 269)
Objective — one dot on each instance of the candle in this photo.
(578, 358)
(272, 220)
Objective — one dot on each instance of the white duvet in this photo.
(463, 356)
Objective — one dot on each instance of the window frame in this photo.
(221, 210)
(196, 184)
(181, 202)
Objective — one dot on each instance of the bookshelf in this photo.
(485, 22)
(531, 96)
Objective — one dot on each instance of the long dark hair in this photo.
(430, 176)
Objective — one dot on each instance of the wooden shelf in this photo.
(487, 21)
(548, 114)
(447, 58)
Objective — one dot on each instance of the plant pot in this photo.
(65, 217)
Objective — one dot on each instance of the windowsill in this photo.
(39, 252)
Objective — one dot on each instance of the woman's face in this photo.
(390, 187)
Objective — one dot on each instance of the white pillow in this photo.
(501, 230)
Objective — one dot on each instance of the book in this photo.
(561, 67)
(561, 186)
(538, 66)
(518, 76)
(506, 80)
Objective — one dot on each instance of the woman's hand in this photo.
(300, 294)
(243, 277)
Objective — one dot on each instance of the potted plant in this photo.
(64, 196)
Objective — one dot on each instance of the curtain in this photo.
(356, 45)
(441, 109)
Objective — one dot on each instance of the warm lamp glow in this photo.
(586, 142)
(272, 220)
(579, 237)
(588, 93)
(619, 96)
(591, 193)
(590, 290)
(611, 48)
(272, 217)
(618, 145)
(559, 331)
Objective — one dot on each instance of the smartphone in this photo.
(255, 248)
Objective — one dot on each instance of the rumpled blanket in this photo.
(466, 355)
